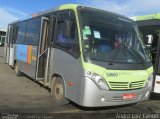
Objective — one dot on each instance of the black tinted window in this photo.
(33, 30)
(21, 32)
(69, 44)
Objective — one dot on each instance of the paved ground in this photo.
(21, 94)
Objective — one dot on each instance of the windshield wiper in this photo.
(131, 51)
(96, 59)
(114, 57)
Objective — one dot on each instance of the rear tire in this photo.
(16, 69)
(58, 91)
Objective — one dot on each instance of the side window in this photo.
(15, 32)
(67, 21)
(21, 32)
(32, 32)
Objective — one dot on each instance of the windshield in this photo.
(112, 38)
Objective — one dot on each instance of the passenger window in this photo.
(21, 32)
(32, 32)
(69, 43)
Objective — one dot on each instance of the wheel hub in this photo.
(58, 91)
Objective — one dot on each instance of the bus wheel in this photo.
(16, 69)
(58, 91)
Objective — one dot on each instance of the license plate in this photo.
(128, 96)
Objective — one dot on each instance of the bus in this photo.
(149, 26)
(92, 57)
(2, 41)
(2, 36)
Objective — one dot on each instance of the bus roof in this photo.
(62, 7)
(2, 29)
(148, 20)
(147, 17)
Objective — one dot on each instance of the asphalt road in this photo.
(23, 95)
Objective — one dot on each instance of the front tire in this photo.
(58, 91)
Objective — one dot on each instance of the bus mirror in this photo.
(148, 39)
(69, 29)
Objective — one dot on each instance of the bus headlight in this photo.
(149, 81)
(98, 80)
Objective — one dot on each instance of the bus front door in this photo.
(42, 58)
(157, 69)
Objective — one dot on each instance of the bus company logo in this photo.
(130, 85)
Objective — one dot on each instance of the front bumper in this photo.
(92, 96)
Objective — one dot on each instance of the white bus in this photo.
(2, 40)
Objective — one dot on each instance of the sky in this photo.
(11, 10)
